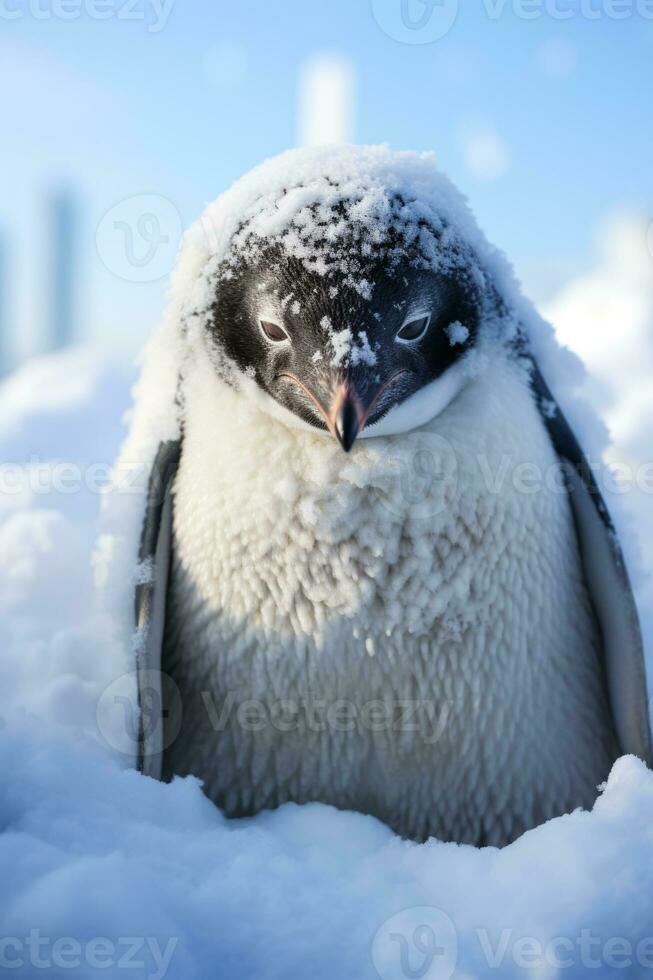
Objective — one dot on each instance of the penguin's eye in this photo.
(414, 329)
(273, 331)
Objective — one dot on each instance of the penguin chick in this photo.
(378, 594)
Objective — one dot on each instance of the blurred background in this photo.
(122, 118)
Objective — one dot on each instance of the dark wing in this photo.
(150, 605)
(607, 580)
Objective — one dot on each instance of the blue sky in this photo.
(560, 99)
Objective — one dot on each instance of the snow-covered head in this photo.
(347, 283)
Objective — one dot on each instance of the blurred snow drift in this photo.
(606, 317)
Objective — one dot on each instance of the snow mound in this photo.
(60, 431)
(90, 851)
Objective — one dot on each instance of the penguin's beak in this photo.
(348, 414)
(346, 417)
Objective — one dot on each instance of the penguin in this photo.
(381, 574)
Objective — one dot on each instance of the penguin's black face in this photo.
(341, 358)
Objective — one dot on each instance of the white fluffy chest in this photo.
(399, 621)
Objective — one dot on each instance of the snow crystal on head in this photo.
(339, 229)
(347, 348)
(304, 199)
(457, 333)
(337, 210)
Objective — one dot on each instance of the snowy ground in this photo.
(104, 872)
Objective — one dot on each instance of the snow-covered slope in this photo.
(90, 850)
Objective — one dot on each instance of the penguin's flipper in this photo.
(607, 581)
(150, 605)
